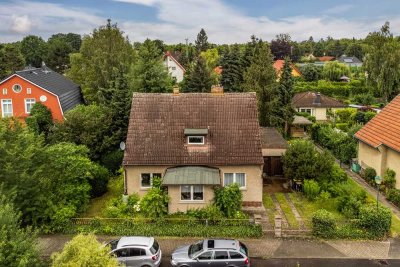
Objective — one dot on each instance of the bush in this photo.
(311, 189)
(99, 180)
(113, 160)
(228, 199)
(364, 99)
(334, 70)
(323, 224)
(369, 174)
(376, 221)
(84, 250)
(116, 208)
(389, 179)
(40, 119)
(342, 126)
(393, 195)
(155, 203)
(368, 116)
(211, 212)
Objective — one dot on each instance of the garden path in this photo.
(278, 207)
(296, 213)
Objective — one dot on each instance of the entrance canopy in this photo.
(191, 175)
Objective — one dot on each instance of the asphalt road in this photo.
(306, 262)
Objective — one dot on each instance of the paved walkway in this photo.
(269, 248)
(371, 190)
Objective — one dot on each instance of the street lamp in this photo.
(378, 181)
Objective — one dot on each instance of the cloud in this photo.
(21, 24)
(339, 9)
(140, 2)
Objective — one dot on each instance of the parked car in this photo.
(212, 252)
(136, 251)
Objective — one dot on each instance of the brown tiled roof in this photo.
(271, 138)
(326, 58)
(157, 123)
(310, 99)
(384, 128)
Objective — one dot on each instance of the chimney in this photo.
(217, 90)
(317, 99)
(175, 90)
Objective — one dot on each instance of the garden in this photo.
(331, 204)
(110, 215)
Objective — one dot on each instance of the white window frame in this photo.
(234, 179)
(4, 91)
(197, 136)
(191, 193)
(305, 110)
(26, 104)
(14, 89)
(28, 91)
(2, 107)
(151, 179)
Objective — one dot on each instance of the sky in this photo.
(225, 21)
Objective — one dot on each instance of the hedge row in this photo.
(338, 89)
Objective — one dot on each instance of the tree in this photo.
(281, 47)
(382, 62)
(11, 60)
(261, 78)
(197, 78)
(334, 48)
(84, 251)
(102, 57)
(148, 74)
(40, 119)
(284, 106)
(34, 50)
(73, 39)
(355, 50)
(299, 160)
(232, 71)
(18, 246)
(311, 73)
(57, 57)
(334, 70)
(211, 57)
(201, 41)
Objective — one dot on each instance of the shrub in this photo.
(116, 208)
(368, 116)
(40, 119)
(228, 199)
(84, 250)
(311, 189)
(376, 221)
(364, 99)
(393, 195)
(333, 70)
(155, 203)
(389, 179)
(369, 174)
(323, 224)
(342, 126)
(113, 160)
(99, 180)
(349, 205)
(211, 212)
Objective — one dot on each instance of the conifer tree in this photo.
(201, 41)
(260, 77)
(197, 78)
(232, 72)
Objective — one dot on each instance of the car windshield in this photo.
(195, 248)
(243, 249)
(154, 249)
(113, 244)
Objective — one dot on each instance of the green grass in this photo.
(97, 205)
(293, 223)
(269, 207)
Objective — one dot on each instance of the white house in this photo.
(174, 68)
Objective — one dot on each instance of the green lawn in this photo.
(293, 223)
(97, 205)
(269, 207)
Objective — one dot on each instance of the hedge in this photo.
(338, 89)
(323, 224)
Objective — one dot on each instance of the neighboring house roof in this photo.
(278, 66)
(174, 56)
(218, 70)
(300, 120)
(326, 58)
(312, 99)
(384, 128)
(158, 121)
(67, 91)
(349, 60)
(271, 138)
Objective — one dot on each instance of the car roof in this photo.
(135, 241)
(223, 243)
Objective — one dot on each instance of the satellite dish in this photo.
(122, 145)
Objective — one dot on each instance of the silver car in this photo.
(213, 253)
(136, 251)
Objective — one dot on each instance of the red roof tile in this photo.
(384, 128)
(326, 58)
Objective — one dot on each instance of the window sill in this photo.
(145, 188)
(192, 202)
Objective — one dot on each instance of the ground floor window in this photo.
(7, 108)
(192, 192)
(239, 178)
(306, 110)
(147, 178)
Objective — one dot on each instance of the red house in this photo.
(20, 91)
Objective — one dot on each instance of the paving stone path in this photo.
(296, 213)
(285, 223)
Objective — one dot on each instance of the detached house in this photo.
(278, 66)
(175, 69)
(20, 91)
(379, 141)
(194, 141)
(316, 104)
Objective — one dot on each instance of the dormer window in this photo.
(196, 136)
(195, 140)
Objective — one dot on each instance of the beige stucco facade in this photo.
(320, 114)
(380, 159)
(252, 192)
